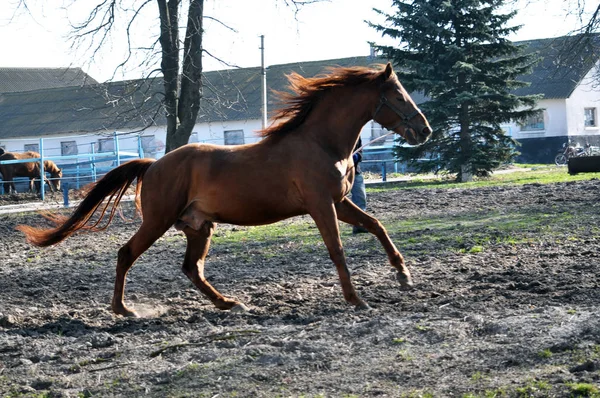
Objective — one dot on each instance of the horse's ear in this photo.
(388, 71)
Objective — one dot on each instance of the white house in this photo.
(570, 84)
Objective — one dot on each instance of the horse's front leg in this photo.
(326, 220)
(349, 213)
(50, 187)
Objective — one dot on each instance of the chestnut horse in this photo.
(303, 165)
(29, 169)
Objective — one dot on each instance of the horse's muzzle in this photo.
(425, 134)
(416, 137)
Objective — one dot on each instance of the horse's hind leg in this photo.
(198, 243)
(128, 253)
(349, 213)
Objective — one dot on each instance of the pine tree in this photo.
(457, 54)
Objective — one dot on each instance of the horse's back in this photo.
(27, 169)
(234, 184)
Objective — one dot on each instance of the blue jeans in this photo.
(358, 192)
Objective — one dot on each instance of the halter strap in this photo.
(404, 119)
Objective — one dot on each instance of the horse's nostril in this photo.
(427, 131)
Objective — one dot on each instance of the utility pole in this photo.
(263, 72)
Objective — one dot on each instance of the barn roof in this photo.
(561, 68)
(233, 94)
(28, 79)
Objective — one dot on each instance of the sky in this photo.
(328, 30)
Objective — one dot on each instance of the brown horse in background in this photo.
(303, 165)
(29, 169)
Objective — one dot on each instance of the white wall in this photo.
(586, 95)
(565, 117)
(86, 143)
(214, 133)
(128, 141)
(555, 121)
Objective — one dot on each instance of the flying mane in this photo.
(305, 92)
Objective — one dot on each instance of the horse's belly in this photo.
(240, 212)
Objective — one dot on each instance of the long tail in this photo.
(113, 184)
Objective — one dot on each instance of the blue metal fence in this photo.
(93, 166)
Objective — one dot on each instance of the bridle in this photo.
(404, 119)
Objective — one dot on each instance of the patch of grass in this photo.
(192, 367)
(533, 388)
(477, 377)
(537, 175)
(497, 393)
(404, 356)
(473, 250)
(476, 231)
(399, 340)
(546, 353)
(596, 351)
(584, 390)
(284, 236)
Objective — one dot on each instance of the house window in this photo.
(149, 146)
(234, 137)
(31, 147)
(590, 119)
(68, 148)
(534, 122)
(106, 145)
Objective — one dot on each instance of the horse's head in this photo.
(397, 112)
(56, 175)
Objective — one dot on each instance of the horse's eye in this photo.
(401, 99)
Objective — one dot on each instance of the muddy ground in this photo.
(506, 304)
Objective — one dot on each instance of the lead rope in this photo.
(372, 141)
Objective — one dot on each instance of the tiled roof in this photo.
(562, 68)
(28, 79)
(233, 94)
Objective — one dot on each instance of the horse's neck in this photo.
(343, 117)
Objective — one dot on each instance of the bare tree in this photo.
(181, 60)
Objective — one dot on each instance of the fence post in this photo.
(140, 147)
(383, 172)
(66, 194)
(42, 171)
(93, 163)
(117, 149)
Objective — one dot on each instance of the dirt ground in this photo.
(506, 304)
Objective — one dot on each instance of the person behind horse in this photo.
(358, 193)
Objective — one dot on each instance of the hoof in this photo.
(124, 311)
(362, 306)
(406, 282)
(239, 308)
(128, 313)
